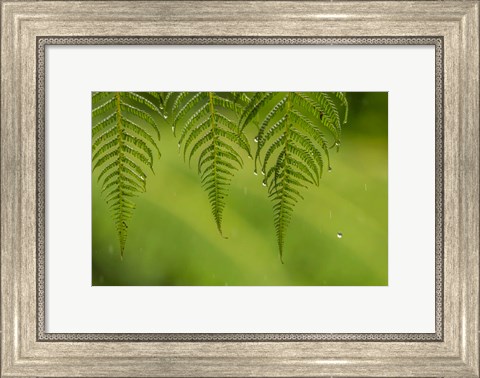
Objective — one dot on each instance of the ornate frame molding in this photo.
(42, 42)
(452, 351)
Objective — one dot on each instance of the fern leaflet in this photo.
(124, 134)
(206, 124)
(292, 145)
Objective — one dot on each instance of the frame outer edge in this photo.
(9, 204)
(469, 184)
(11, 230)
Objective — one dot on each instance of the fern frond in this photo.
(207, 126)
(292, 145)
(122, 147)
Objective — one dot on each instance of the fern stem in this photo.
(217, 210)
(281, 225)
(118, 101)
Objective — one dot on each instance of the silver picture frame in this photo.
(452, 27)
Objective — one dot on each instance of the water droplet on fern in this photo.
(255, 172)
(264, 182)
(263, 172)
(329, 169)
(165, 116)
(173, 129)
(337, 143)
(255, 140)
(250, 156)
(339, 235)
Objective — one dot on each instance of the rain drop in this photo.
(250, 156)
(178, 145)
(337, 143)
(339, 235)
(165, 116)
(264, 182)
(173, 128)
(255, 173)
(263, 172)
(255, 140)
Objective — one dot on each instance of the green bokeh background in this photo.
(173, 240)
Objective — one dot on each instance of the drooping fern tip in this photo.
(292, 145)
(207, 126)
(124, 139)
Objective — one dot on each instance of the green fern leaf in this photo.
(207, 127)
(292, 145)
(122, 147)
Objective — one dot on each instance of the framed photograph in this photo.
(239, 188)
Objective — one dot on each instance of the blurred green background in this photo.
(173, 240)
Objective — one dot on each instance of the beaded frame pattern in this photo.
(42, 42)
